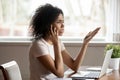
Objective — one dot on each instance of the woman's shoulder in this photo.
(38, 43)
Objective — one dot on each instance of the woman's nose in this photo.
(62, 25)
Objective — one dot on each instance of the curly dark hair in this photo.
(41, 21)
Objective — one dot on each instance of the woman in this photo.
(47, 53)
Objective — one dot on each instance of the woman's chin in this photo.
(60, 34)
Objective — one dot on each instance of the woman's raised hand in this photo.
(90, 35)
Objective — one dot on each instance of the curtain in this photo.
(1, 13)
(114, 12)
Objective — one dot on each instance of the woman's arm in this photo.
(55, 66)
(74, 64)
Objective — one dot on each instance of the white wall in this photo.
(19, 51)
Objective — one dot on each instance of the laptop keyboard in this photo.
(93, 75)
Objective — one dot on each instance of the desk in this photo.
(114, 75)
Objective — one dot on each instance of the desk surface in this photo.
(114, 75)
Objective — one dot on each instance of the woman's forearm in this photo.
(58, 59)
(80, 57)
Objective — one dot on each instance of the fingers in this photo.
(88, 35)
(91, 34)
(54, 30)
(95, 31)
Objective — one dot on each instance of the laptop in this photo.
(96, 74)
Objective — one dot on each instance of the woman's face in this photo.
(59, 24)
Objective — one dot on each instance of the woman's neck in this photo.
(48, 40)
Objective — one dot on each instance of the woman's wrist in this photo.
(85, 44)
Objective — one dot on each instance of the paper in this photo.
(80, 74)
(61, 79)
(98, 69)
(93, 69)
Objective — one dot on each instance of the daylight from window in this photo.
(81, 16)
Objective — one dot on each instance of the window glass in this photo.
(81, 16)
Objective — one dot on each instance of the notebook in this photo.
(95, 74)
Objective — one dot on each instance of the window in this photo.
(81, 16)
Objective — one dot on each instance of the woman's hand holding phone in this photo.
(54, 34)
